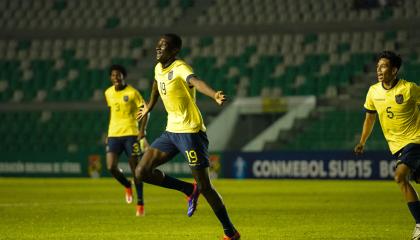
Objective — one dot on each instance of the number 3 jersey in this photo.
(124, 105)
(178, 97)
(398, 112)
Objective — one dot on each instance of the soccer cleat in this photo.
(235, 236)
(192, 200)
(416, 233)
(128, 195)
(140, 210)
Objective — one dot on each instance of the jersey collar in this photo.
(169, 66)
(121, 88)
(393, 85)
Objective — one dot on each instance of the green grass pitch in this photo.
(261, 209)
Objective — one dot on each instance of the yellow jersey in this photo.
(124, 105)
(398, 112)
(178, 97)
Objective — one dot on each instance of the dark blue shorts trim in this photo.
(193, 146)
(127, 144)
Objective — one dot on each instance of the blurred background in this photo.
(296, 73)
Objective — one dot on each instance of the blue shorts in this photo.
(194, 147)
(129, 144)
(410, 156)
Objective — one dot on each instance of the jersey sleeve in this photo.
(138, 99)
(415, 93)
(185, 72)
(106, 98)
(369, 105)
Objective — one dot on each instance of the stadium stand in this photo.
(334, 129)
(253, 12)
(46, 69)
(96, 14)
(291, 64)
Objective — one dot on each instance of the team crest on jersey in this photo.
(399, 98)
(170, 75)
(125, 98)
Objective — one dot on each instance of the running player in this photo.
(396, 102)
(125, 134)
(176, 83)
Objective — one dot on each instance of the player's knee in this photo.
(138, 173)
(142, 173)
(112, 168)
(401, 178)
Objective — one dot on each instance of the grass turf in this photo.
(33, 208)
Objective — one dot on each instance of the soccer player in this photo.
(176, 84)
(396, 102)
(125, 134)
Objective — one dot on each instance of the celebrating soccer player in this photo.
(124, 132)
(396, 102)
(176, 83)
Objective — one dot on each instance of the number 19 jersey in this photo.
(179, 98)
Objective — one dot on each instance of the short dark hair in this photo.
(393, 58)
(174, 39)
(119, 68)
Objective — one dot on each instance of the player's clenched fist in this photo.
(358, 149)
(220, 97)
(144, 144)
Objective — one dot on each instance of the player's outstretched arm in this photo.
(147, 107)
(205, 89)
(367, 130)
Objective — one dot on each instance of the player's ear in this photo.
(394, 70)
(175, 51)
